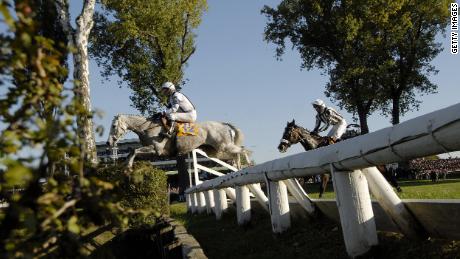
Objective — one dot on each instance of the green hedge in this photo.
(143, 191)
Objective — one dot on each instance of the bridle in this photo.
(284, 140)
(302, 140)
(119, 132)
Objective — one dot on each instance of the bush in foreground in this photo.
(143, 192)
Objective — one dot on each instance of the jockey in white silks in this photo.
(329, 116)
(180, 108)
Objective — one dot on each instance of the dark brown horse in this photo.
(294, 134)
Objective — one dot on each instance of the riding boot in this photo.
(331, 140)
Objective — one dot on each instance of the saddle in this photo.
(180, 129)
(326, 141)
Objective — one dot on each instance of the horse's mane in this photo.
(128, 115)
(300, 127)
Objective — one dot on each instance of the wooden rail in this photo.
(352, 165)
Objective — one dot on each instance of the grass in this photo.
(312, 238)
(308, 238)
(224, 239)
(415, 189)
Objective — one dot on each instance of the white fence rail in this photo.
(433, 133)
(230, 192)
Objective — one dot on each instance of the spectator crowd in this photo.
(433, 169)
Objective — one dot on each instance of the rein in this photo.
(303, 142)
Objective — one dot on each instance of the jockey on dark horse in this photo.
(328, 116)
(180, 108)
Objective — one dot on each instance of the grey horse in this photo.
(217, 139)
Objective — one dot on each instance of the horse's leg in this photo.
(324, 180)
(246, 156)
(390, 177)
(237, 151)
(140, 151)
(238, 161)
(321, 188)
(130, 159)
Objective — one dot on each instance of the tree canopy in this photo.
(357, 43)
(146, 43)
(409, 45)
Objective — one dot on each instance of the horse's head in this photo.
(117, 130)
(290, 136)
(294, 134)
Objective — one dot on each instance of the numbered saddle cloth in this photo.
(186, 129)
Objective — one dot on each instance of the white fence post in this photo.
(220, 204)
(300, 195)
(195, 168)
(209, 196)
(188, 201)
(392, 204)
(201, 202)
(243, 205)
(231, 193)
(355, 210)
(259, 194)
(194, 202)
(279, 206)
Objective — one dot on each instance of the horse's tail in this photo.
(237, 135)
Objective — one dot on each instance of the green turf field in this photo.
(416, 189)
(319, 238)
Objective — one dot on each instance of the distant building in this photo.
(124, 147)
(119, 153)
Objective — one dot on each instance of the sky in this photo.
(234, 77)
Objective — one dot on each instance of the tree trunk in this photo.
(78, 39)
(395, 110)
(81, 73)
(362, 114)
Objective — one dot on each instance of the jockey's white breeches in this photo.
(183, 116)
(338, 130)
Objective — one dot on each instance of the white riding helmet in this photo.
(168, 85)
(318, 102)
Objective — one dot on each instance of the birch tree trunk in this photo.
(78, 40)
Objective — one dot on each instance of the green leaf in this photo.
(72, 225)
(17, 174)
